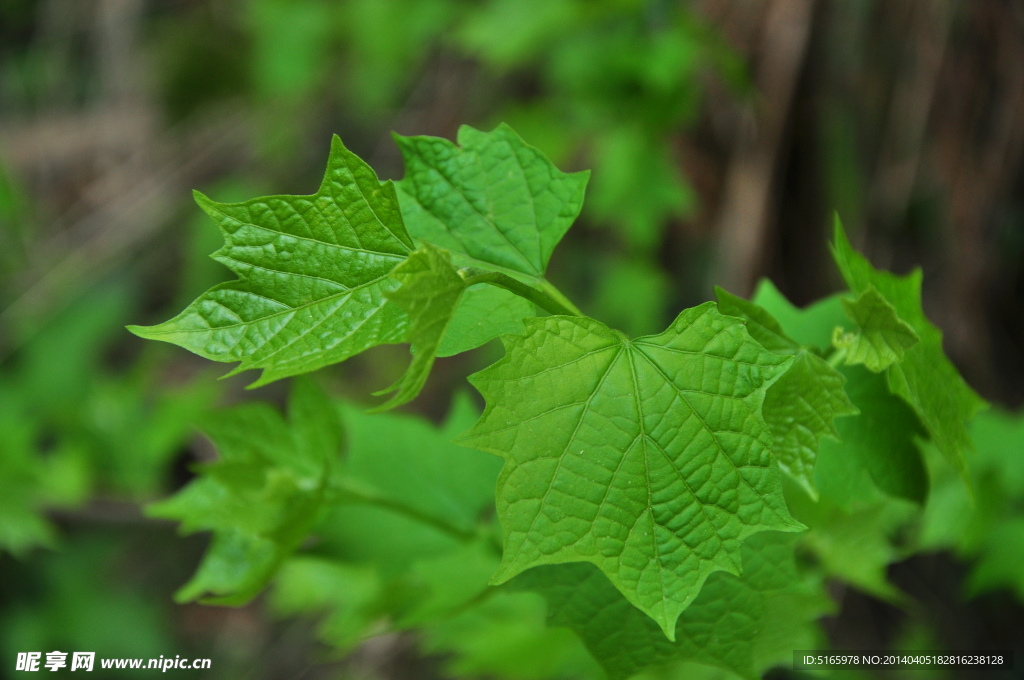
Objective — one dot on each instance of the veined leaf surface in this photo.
(492, 198)
(883, 338)
(743, 624)
(313, 273)
(647, 457)
(801, 407)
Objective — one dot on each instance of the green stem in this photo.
(548, 299)
(349, 494)
(550, 289)
(836, 358)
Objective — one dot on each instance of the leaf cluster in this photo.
(650, 488)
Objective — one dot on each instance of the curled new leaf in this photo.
(883, 338)
(925, 379)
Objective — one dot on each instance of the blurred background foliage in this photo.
(721, 134)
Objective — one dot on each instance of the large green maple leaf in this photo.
(313, 273)
(925, 378)
(743, 624)
(647, 457)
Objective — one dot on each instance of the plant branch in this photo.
(346, 493)
(550, 298)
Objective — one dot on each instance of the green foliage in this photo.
(596, 469)
(882, 339)
(71, 429)
(985, 528)
(925, 378)
(644, 483)
(802, 406)
(262, 495)
(73, 603)
(313, 272)
(854, 524)
(744, 624)
(493, 198)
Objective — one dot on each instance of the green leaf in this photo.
(430, 292)
(856, 546)
(743, 624)
(313, 273)
(883, 337)
(647, 457)
(881, 441)
(485, 313)
(925, 379)
(262, 495)
(494, 199)
(761, 325)
(811, 326)
(801, 407)
(504, 636)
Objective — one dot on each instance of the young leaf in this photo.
(430, 292)
(261, 497)
(802, 405)
(743, 624)
(494, 199)
(811, 326)
(883, 337)
(647, 457)
(925, 379)
(313, 273)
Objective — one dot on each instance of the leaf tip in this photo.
(144, 332)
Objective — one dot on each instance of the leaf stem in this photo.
(836, 357)
(548, 298)
(346, 493)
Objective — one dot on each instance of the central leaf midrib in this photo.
(310, 239)
(707, 428)
(642, 435)
(284, 312)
